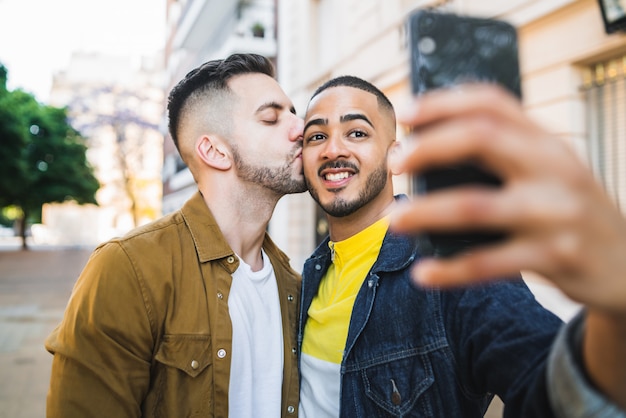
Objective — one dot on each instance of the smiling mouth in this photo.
(337, 176)
(337, 172)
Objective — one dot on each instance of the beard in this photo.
(280, 180)
(340, 207)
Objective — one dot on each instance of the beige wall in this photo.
(554, 50)
(320, 39)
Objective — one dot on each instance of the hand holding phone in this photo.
(447, 50)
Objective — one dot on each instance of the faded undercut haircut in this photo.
(358, 83)
(202, 92)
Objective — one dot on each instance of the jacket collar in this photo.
(397, 251)
(208, 237)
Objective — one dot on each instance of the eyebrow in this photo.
(274, 105)
(342, 119)
(355, 116)
(318, 121)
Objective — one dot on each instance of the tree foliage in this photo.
(42, 158)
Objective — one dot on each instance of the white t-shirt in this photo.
(256, 371)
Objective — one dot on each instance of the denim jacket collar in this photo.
(396, 252)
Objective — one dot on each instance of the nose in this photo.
(295, 134)
(334, 148)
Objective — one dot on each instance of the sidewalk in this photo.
(34, 288)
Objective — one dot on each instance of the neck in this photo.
(242, 217)
(347, 226)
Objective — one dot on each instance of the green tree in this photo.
(42, 158)
(14, 140)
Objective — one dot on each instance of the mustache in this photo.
(337, 164)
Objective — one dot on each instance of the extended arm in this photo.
(561, 224)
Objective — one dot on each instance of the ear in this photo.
(213, 152)
(394, 154)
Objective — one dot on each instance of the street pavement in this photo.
(34, 288)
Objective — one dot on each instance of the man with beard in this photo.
(375, 344)
(195, 314)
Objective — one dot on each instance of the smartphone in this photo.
(446, 50)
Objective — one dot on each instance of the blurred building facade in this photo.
(198, 31)
(573, 74)
(573, 80)
(116, 103)
(201, 30)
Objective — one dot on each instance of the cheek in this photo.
(308, 165)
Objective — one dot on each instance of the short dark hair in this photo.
(211, 76)
(358, 83)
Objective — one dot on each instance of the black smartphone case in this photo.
(447, 50)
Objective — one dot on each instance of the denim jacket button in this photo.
(396, 399)
(318, 267)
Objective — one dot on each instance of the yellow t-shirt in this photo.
(326, 329)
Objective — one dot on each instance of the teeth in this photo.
(337, 176)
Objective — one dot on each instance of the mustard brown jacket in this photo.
(147, 332)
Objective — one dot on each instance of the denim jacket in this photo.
(416, 352)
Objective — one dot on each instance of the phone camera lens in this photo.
(426, 45)
(426, 22)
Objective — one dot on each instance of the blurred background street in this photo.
(105, 68)
(34, 289)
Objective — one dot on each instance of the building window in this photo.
(605, 96)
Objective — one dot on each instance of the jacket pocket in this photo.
(181, 378)
(396, 386)
(188, 353)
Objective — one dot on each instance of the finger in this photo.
(464, 99)
(492, 144)
(448, 210)
(479, 265)
(520, 208)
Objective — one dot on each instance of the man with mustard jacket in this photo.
(195, 314)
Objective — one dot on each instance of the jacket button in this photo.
(396, 399)
(293, 350)
(230, 259)
(290, 298)
(220, 295)
(221, 353)
(291, 409)
(318, 267)
(194, 364)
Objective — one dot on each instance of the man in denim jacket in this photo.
(375, 344)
